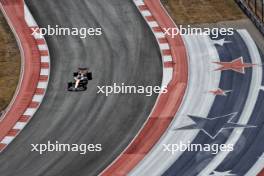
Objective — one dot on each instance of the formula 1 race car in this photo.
(80, 81)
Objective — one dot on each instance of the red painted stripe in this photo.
(43, 78)
(24, 118)
(150, 18)
(2, 146)
(40, 91)
(40, 41)
(44, 65)
(33, 104)
(166, 52)
(166, 106)
(168, 64)
(261, 173)
(163, 40)
(157, 29)
(15, 16)
(13, 132)
(44, 52)
(142, 7)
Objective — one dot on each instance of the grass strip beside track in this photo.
(203, 11)
(10, 64)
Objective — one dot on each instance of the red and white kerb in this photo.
(161, 39)
(41, 86)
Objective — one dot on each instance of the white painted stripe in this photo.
(28, 17)
(44, 72)
(146, 13)
(38, 98)
(167, 58)
(19, 125)
(159, 34)
(45, 59)
(167, 76)
(201, 78)
(153, 24)
(43, 47)
(7, 139)
(259, 165)
(164, 46)
(38, 36)
(30, 111)
(42, 85)
(139, 2)
(249, 106)
(257, 168)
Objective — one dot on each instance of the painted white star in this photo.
(220, 42)
(226, 173)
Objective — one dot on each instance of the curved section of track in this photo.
(201, 80)
(191, 163)
(126, 52)
(34, 72)
(242, 138)
(167, 104)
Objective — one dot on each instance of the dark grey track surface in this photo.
(126, 52)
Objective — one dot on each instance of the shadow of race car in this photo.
(81, 78)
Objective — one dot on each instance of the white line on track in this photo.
(201, 80)
(249, 106)
(153, 24)
(19, 125)
(259, 165)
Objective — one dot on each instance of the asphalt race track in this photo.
(249, 143)
(126, 53)
(241, 100)
(201, 80)
(192, 163)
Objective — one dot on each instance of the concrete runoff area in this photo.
(239, 24)
(212, 14)
(126, 52)
(10, 61)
